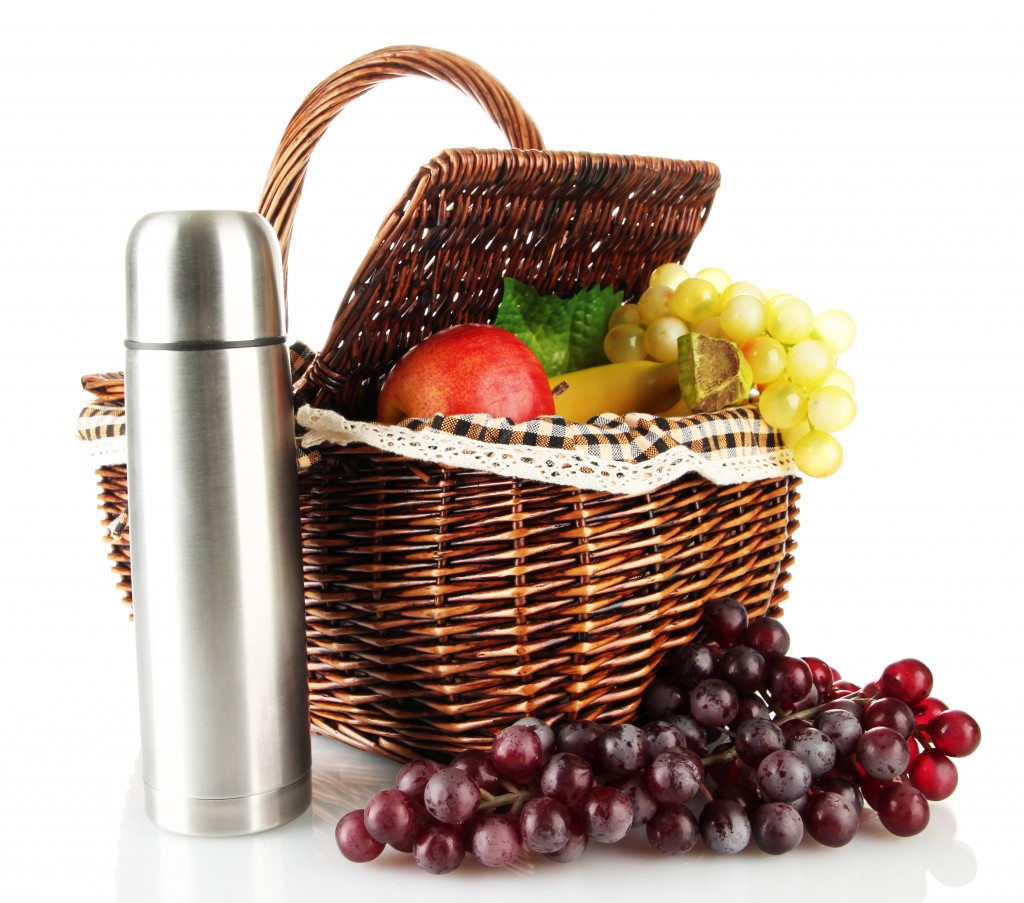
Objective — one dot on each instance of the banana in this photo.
(640, 386)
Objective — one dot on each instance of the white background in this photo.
(871, 162)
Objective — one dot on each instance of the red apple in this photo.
(467, 369)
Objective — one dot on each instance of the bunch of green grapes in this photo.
(792, 353)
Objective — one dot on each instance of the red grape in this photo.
(496, 840)
(955, 733)
(673, 829)
(724, 621)
(517, 752)
(451, 796)
(831, 819)
(903, 809)
(439, 848)
(908, 679)
(354, 840)
(934, 774)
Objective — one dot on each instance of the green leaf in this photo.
(565, 334)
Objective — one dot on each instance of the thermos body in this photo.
(215, 543)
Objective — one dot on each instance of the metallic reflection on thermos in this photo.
(214, 526)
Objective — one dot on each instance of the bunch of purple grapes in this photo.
(742, 743)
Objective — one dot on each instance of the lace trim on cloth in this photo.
(624, 455)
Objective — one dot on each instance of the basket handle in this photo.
(288, 168)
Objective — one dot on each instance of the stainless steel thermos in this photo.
(214, 520)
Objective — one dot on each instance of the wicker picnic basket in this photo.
(444, 602)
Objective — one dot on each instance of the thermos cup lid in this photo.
(204, 278)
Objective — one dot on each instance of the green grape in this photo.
(625, 313)
(809, 363)
(653, 303)
(783, 404)
(830, 409)
(794, 434)
(772, 298)
(743, 317)
(711, 327)
(790, 320)
(836, 329)
(661, 339)
(842, 379)
(719, 278)
(669, 275)
(741, 288)
(767, 359)
(625, 342)
(694, 300)
(818, 454)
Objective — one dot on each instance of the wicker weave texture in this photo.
(443, 604)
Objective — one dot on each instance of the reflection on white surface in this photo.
(299, 860)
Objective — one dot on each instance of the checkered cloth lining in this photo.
(725, 437)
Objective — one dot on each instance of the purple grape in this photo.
(391, 816)
(414, 775)
(784, 776)
(882, 752)
(755, 739)
(623, 750)
(693, 663)
(543, 731)
(451, 796)
(714, 703)
(822, 674)
(725, 827)
(816, 747)
(768, 636)
(776, 828)
(639, 794)
(567, 778)
(744, 668)
(663, 698)
(694, 733)
(673, 829)
(580, 738)
(724, 621)
(439, 848)
(663, 736)
(496, 840)
(792, 726)
(672, 778)
(517, 752)
(354, 841)
(846, 788)
(544, 825)
(607, 814)
(480, 767)
(751, 707)
(808, 701)
(789, 680)
(831, 819)
(890, 712)
(576, 845)
(903, 809)
(843, 727)
(744, 794)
